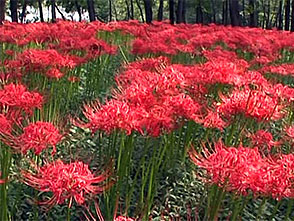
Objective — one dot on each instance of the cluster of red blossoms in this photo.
(244, 170)
(64, 46)
(67, 181)
(154, 96)
(38, 136)
(77, 43)
(17, 104)
(123, 218)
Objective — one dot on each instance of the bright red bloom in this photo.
(66, 182)
(283, 69)
(15, 98)
(54, 73)
(5, 125)
(263, 140)
(253, 103)
(290, 132)
(213, 120)
(123, 218)
(244, 171)
(38, 136)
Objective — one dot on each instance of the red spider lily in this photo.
(39, 136)
(123, 218)
(15, 98)
(252, 103)
(50, 62)
(2, 181)
(54, 73)
(283, 69)
(9, 52)
(67, 182)
(290, 132)
(36, 136)
(244, 170)
(5, 125)
(16, 95)
(264, 141)
(213, 120)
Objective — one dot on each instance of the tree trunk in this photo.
(234, 13)
(110, 10)
(160, 11)
(225, 12)
(62, 15)
(179, 12)
(243, 17)
(253, 14)
(91, 10)
(23, 13)
(280, 16)
(148, 10)
(268, 19)
(2, 11)
(78, 10)
(141, 10)
(199, 13)
(41, 10)
(128, 10)
(172, 11)
(184, 11)
(212, 3)
(132, 9)
(292, 17)
(53, 12)
(287, 15)
(13, 10)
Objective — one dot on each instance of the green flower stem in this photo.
(277, 206)
(68, 212)
(239, 204)
(289, 209)
(5, 167)
(261, 209)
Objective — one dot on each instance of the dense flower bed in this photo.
(224, 95)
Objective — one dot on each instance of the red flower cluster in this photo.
(39, 136)
(5, 125)
(264, 44)
(283, 69)
(254, 103)
(244, 171)
(66, 182)
(153, 95)
(264, 141)
(123, 218)
(14, 100)
(49, 62)
(154, 102)
(17, 96)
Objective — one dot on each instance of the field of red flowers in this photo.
(129, 121)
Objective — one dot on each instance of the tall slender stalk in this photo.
(5, 167)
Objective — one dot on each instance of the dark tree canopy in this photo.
(254, 13)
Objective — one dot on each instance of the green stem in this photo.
(5, 166)
(261, 208)
(68, 212)
(289, 209)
